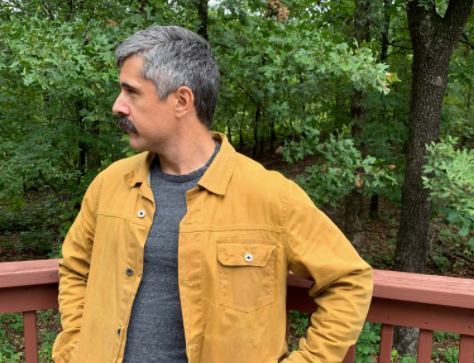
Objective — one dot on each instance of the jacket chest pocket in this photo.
(246, 273)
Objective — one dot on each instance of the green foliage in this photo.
(441, 336)
(396, 358)
(340, 168)
(368, 343)
(450, 355)
(47, 340)
(299, 321)
(8, 353)
(36, 226)
(442, 263)
(67, 70)
(451, 180)
(13, 320)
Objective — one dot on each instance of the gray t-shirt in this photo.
(155, 331)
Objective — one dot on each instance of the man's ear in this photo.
(185, 101)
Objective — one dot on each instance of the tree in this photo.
(353, 202)
(434, 38)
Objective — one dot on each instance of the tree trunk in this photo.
(468, 113)
(434, 39)
(203, 18)
(374, 207)
(374, 200)
(353, 202)
(385, 30)
(352, 220)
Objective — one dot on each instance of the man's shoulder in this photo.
(116, 175)
(254, 175)
(122, 167)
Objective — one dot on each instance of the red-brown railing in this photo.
(412, 300)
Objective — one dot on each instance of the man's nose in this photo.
(120, 107)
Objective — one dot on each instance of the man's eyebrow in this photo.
(126, 85)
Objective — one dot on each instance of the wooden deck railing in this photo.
(421, 301)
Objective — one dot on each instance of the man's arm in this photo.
(74, 272)
(318, 250)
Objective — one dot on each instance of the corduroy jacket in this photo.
(245, 228)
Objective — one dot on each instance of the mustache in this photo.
(126, 124)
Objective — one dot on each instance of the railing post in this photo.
(425, 343)
(466, 349)
(350, 356)
(386, 343)
(31, 339)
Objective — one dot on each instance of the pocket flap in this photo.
(244, 253)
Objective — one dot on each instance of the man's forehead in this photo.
(132, 69)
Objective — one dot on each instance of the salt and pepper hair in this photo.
(176, 57)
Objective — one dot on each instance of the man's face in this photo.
(146, 120)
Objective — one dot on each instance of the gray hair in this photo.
(176, 57)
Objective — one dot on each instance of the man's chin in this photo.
(134, 143)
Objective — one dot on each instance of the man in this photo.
(181, 253)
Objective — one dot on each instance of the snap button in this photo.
(129, 272)
(141, 213)
(118, 331)
(248, 257)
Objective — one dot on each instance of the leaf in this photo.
(464, 231)
(471, 244)
(451, 214)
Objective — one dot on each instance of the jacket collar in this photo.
(215, 179)
(217, 176)
(140, 173)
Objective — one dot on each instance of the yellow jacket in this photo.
(244, 229)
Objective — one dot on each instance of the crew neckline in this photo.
(156, 169)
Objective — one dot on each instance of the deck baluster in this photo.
(466, 349)
(386, 343)
(350, 356)
(31, 338)
(425, 342)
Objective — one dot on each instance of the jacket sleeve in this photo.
(74, 272)
(343, 284)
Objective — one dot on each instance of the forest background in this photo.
(368, 105)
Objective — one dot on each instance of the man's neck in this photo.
(188, 152)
